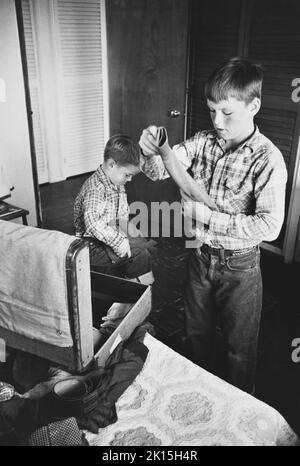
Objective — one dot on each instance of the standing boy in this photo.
(244, 175)
(101, 214)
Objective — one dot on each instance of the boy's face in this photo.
(121, 174)
(232, 118)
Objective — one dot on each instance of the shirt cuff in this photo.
(153, 167)
(116, 242)
(219, 222)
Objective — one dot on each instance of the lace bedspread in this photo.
(173, 402)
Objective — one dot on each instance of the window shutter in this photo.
(66, 54)
(32, 65)
(267, 32)
(214, 38)
(274, 42)
(80, 49)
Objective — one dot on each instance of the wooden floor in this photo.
(278, 378)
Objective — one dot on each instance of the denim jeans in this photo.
(227, 287)
(104, 260)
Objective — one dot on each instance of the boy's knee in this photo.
(139, 264)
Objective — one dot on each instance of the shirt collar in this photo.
(102, 176)
(251, 143)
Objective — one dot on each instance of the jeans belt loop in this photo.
(222, 256)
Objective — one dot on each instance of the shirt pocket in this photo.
(238, 195)
(203, 177)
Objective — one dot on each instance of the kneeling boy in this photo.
(101, 214)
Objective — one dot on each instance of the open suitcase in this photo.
(49, 298)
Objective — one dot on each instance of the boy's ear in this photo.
(255, 105)
(111, 163)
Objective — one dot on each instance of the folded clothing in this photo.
(115, 314)
(64, 432)
(96, 406)
(22, 415)
(7, 391)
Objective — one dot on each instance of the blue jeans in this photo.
(228, 286)
(104, 260)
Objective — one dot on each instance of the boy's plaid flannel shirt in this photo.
(247, 184)
(99, 209)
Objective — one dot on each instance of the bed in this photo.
(174, 402)
(47, 299)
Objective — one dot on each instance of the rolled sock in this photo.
(198, 192)
(163, 142)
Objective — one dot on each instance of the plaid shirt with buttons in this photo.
(247, 184)
(100, 209)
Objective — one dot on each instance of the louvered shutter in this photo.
(35, 98)
(80, 46)
(275, 43)
(214, 38)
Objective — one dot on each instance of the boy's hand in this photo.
(154, 141)
(148, 142)
(124, 249)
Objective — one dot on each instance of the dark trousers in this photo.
(228, 287)
(104, 260)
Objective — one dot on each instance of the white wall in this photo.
(14, 138)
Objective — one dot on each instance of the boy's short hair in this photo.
(235, 78)
(123, 150)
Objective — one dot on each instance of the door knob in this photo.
(174, 113)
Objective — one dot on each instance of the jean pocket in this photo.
(202, 256)
(242, 263)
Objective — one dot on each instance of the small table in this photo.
(13, 212)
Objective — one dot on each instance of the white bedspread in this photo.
(173, 402)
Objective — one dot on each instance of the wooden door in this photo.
(147, 53)
(147, 57)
